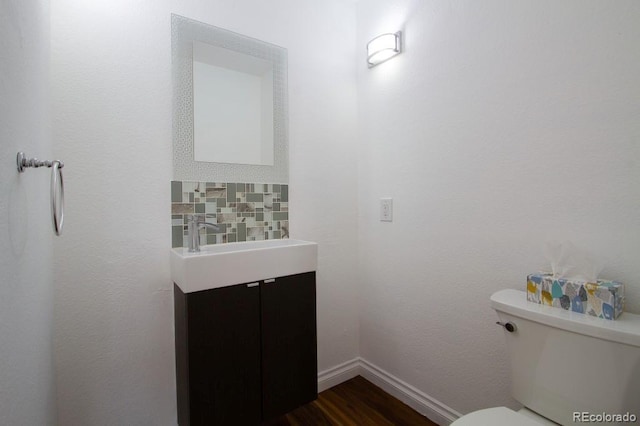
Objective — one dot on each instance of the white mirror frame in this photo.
(184, 32)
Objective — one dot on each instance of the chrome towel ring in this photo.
(57, 186)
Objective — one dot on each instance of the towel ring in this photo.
(57, 182)
(57, 186)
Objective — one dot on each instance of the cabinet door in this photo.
(224, 356)
(289, 353)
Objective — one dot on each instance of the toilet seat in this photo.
(497, 416)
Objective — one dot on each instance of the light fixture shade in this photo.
(383, 48)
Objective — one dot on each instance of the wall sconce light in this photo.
(383, 48)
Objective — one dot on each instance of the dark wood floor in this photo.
(356, 402)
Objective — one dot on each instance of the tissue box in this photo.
(603, 299)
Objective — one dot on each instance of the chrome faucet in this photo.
(196, 222)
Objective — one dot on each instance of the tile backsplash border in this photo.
(244, 211)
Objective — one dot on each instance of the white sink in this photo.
(222, 265)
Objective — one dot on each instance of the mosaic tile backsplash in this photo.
(244, 211)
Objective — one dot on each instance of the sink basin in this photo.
(222, 265)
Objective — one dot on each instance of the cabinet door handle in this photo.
(270, 280)
(253, 285)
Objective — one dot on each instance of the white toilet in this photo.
(565, 364)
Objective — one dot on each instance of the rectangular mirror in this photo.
(232, 107)
(229, 106)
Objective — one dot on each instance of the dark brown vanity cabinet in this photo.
(246, 353)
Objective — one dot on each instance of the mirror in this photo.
(232, 107)
(229, 106)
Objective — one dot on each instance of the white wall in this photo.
(27, 391)
(503, 125)
(111, 82)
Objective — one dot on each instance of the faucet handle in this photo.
(199, 217)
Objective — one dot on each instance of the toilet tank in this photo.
(564, 362)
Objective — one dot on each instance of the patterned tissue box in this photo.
(604, 299)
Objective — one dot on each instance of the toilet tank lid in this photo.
(625, 329)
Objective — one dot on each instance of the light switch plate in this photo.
(386, 209)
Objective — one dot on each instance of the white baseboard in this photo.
(338, 374)
(424, 404)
